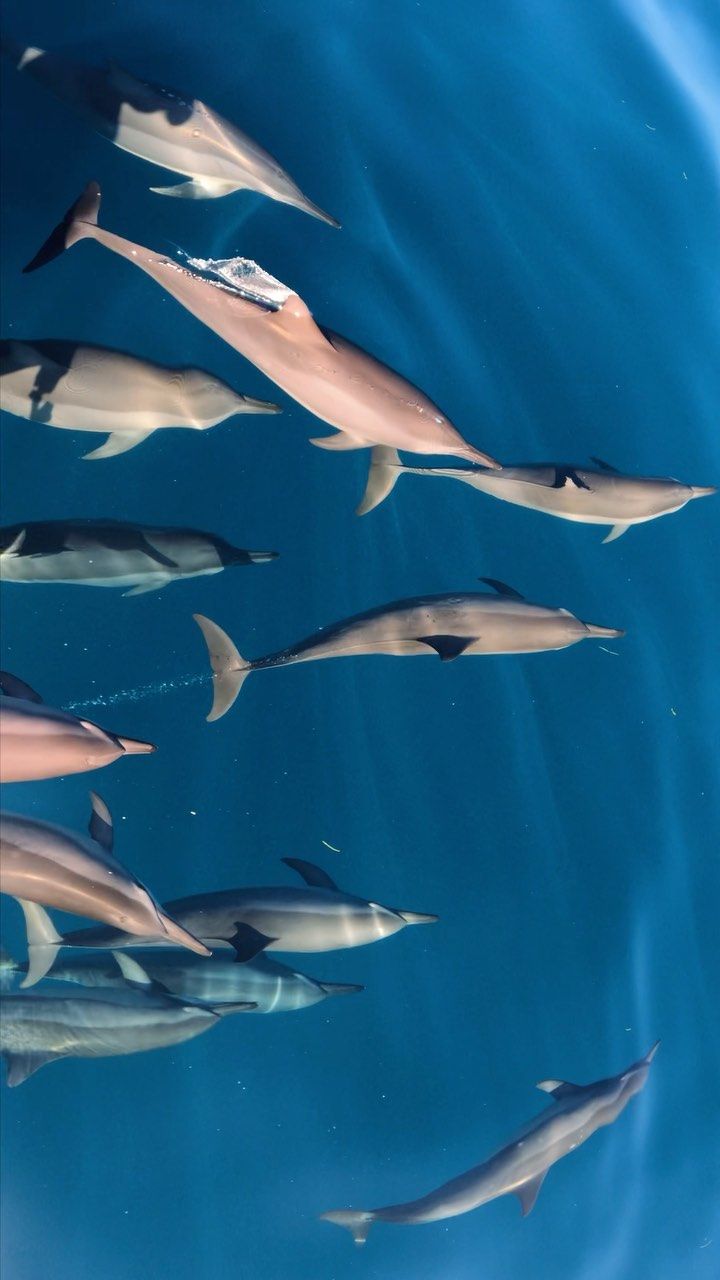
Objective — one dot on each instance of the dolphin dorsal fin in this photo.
(559, 1088)
(502, 588)
(312, 875)
(13, 687)
(136, 976)
(100, 825)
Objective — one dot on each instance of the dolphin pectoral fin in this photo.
(311, 874)
(197, 189)
(385, 471)
(43, 941)
(559, 1088)
(605, 466)
(156, 583)
(15, 547)
(339, 441)
(528, 1193)
(247, 942)
(22, 1065)
(13, 687)
(502, 588)
(100, 825)
(117, 442)
(448, 647)
(617, 531)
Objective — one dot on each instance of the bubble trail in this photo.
(139, 693)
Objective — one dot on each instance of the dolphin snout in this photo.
(417, 917)
(611, 633)
(134, 747)
(697, 492)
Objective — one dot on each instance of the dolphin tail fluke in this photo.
(77, 223)
(43, 942)
(385, 471)
(357, 1221)
(229, 668)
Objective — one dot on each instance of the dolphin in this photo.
(219, 981)
(447, 625)
(38, 1029)
(585, 495)
(170, 129)
(47, 864)
(37, 741)
(576, 1112)
(319, 917)
(86, 388)
(114, 553)
(272, 327)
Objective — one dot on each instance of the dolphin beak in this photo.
(133, 747)
(651, 1053)
(697, 492)
(611, 633)
(416, 917)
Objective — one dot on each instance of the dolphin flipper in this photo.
(156, 583)
(448, 647)
(617, 531)
(247, 942)
(117, 442)
(13, 687)
(340, 441)
(385, 471)
(22, 1065)
(197, 189)
(100, 825)
(528, 1193)
(312, 875)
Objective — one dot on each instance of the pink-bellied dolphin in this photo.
(447, 625)
(37, 741)
(114, 553)
(577, 1111)
(167, 128)
(217, 980)
(48, 864)
(318, 917)
(135, 1017)
(86, 388)
(272, 327)
(585, 495)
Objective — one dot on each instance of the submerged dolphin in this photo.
(219, 980)
(165, 127)
(44, 863)
(270, 325)
(40, 742)
(319, 917)
(584, 495)
(38, 1029)
(86, 388)
(448, 625)
(113, 553)
(576, 1113)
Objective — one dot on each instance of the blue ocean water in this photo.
(529, 199)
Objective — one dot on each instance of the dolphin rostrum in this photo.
(37, 741)
(113, 553)
(447, 625)
(219, 980)
(598, 495)
(576, 1112)
(85, 388)
(319, 917)
(44, 863)
(38, 1029)
(271, 326)
(167, 128)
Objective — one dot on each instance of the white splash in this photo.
(247, 278)
(139, 693)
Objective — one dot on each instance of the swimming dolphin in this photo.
(448, 625)
(38, 1029)
(319, 917)
(167, 128)
(584, 495)
(219, 980)
(271, 326)
(44, 863)
(113, 553)
(519, 1168)
(85, 388)
(37, 741)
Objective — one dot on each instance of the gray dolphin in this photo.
(581, 494)
(577, 1111)
(319, 917)
(37, 741)
(271, 326)
(44, 863)
(219, 980)
(114, 553)
(447, 625)
(86, 388)
(38, 1029)
(167, 128)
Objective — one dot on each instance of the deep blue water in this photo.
(529, 198)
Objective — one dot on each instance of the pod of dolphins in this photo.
(146, 975)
